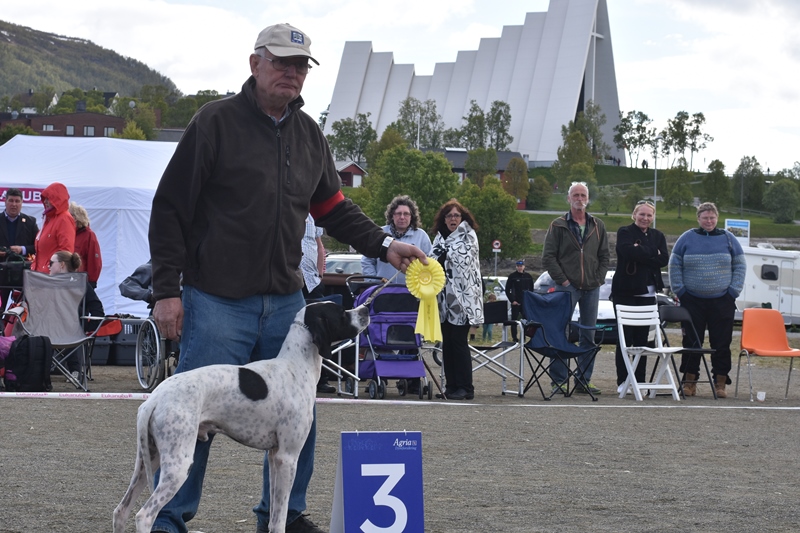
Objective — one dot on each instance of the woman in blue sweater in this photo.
(706, 271)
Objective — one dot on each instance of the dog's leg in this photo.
(123, 510)
(282, 469)
(174, 471)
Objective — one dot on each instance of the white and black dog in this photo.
(267, 405)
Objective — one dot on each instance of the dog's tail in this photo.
(143, 433)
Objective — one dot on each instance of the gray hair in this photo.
(707, 206)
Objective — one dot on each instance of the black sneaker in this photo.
(324, 386)
(303, 525)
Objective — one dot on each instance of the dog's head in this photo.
(329, 322)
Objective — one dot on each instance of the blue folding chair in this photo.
(547, 319)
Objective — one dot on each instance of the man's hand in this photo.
(400, 255)
(168, 314)
(16, 249)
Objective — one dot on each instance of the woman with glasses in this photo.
(461, 300)
(641, 254)
(402, 223)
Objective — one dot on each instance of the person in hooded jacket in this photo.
(86, 244)
(58, 229)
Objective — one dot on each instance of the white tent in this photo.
(114, 179)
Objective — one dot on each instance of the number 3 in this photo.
(393, 473)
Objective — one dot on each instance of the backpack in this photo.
(28, 365)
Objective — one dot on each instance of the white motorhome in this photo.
(772, 280)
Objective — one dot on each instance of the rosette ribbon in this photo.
(425, 282)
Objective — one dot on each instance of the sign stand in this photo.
(379, 483)
(496, 249)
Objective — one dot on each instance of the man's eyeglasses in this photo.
(281, 65)
(452, 216)
(402, 214)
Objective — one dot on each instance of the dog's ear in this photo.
(319, 325)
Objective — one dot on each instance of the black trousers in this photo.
(634, 336)
(516, 314)
(456, 358)
(716, 315)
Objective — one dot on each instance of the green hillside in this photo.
(31, 59)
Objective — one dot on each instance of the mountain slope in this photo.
(31, 59)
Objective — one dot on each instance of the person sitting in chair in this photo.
(63, 262)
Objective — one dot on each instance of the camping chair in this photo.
(645, 316)
(677, 314)
(493, 357)
(764, 335)
(53, 304)
(546, 326)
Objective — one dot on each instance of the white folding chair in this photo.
(645, 316)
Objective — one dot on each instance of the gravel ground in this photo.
(496, 463)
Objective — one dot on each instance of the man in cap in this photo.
(516, 285)
(229, 215)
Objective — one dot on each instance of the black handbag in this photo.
(11, 270)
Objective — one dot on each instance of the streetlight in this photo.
(655, 173)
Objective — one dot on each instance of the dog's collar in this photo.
(301, 324)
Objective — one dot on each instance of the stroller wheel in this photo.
(382, 390)
(372, 389)
(421, 391)
(349, 385)
(429, 391)
(402, 387)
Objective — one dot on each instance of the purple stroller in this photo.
(391, 348)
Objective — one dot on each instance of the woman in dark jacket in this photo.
(641, 254)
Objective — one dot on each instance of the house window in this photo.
(47, 127)
(108, 131)
(70, 131)
(88, 131)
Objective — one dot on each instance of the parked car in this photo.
(606, 318)
(337, 268)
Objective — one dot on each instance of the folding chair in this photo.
(53, 304)
(493, 357)
(546, 326)
(645, 316)
(764, 335)
(677, 314)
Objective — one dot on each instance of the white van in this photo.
(772, 280)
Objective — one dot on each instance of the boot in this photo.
(689, 384)
(719, 386)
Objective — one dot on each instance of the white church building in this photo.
(545, 69)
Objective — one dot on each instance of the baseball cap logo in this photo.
(297, 37)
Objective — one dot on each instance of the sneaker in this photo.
(558, 389)
(303, 525)
(580, 389)
(325, 387)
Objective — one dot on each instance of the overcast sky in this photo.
(732, 60)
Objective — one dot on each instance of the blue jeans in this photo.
(229, 331)
(587, 300)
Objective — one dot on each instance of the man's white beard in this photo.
(580, 206)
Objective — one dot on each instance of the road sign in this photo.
(496, 244)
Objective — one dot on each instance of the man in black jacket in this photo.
(17, 230)
(516, 285)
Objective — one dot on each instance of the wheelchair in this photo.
(156, 357)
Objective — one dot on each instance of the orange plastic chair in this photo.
(764, 335)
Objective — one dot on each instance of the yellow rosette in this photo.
(425, 282)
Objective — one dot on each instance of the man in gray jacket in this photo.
(576, 256)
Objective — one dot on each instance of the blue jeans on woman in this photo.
(220, 330)
(587, 300)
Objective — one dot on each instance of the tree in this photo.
(676, 187)
(539, 193)
(419, 124)
(425, 176)
(480, 163)
(7, 133)
(677, 135)
(716, 185)
(179, 115)
(131, 131)
(350, 138)
(748, 179)
(42, 99)
(608, 198)
(589, 123)
(782, 199)
(515, 180)
(633, 196)
(498, 122)
(206, 96)
(496, 213)
(573, 152)
(389, 139)
(632, 134)
(696, 138)
(474, 132)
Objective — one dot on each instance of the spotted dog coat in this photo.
(267, 405)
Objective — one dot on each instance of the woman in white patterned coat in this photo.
(461, 300)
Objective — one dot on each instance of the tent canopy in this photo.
(114, 179)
